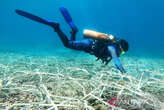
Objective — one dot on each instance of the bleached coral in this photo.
(59, 83)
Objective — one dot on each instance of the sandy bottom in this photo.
(69, 80)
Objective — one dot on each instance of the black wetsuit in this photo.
(104, 50)
(98, 48)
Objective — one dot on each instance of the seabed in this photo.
(71, 80)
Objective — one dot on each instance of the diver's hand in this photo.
(119, 65)
(122, 70)
(112, 52)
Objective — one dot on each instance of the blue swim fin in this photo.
(68, 18)
(36, 18)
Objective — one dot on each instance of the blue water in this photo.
(138, 21)
(64, 72)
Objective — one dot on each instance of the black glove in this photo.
(122, 70)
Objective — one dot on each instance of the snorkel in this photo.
(124, 46)
(122, 50)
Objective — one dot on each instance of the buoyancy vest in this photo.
(100, 50)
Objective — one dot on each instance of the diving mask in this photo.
(122, 50)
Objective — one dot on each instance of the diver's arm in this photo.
(117, 62)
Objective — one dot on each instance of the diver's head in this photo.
(124, 46)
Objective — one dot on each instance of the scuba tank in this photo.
(97, 35)
(104, 38)
(101, 42)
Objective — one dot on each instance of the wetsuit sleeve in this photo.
(115, 58)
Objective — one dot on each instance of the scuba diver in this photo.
(105, 47)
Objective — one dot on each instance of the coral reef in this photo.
(78, 82)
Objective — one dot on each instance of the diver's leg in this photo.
(62, 36)
(83, 45)
(73, 35)
(54, 25)
(33, 17)
(68, 18)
